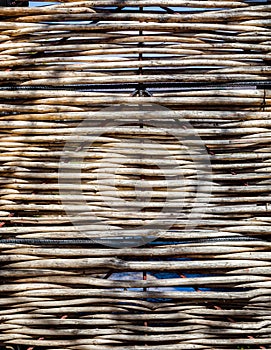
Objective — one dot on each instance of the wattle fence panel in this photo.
(135, 175)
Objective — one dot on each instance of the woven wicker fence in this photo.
(173, 75)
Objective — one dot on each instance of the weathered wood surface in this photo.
(210, 67)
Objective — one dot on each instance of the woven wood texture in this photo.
(205, 287)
